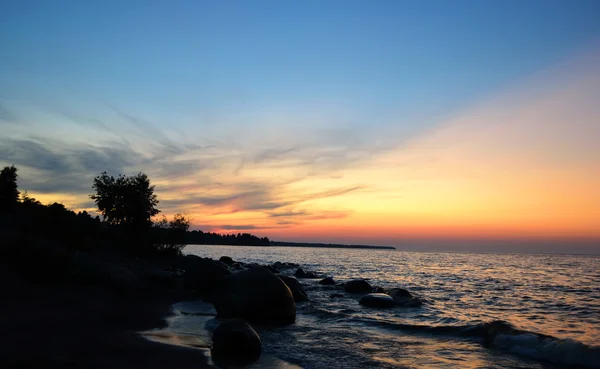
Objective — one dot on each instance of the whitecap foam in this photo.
(557, 351)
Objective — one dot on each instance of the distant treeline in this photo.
(240, 239)
(329, 245)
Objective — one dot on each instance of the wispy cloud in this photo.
(213, 176)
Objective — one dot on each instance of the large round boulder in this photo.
(226, 260)
(377, 300)
(256, 295)
(404, 298)
(235, 343)
(358, 286)
(296, 288)
(204, 274)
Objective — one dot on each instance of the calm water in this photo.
(554, 295)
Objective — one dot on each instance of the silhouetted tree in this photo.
(9, 194)
(126, 201)
(171, 236)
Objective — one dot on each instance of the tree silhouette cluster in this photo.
(127, 205)
(127, 201)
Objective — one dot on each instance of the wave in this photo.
(503, 335)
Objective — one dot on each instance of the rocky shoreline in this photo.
(247, 294)
(85, 310)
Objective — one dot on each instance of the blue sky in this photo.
(205, 58)
(297, 90)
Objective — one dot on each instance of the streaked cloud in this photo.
(525, 162)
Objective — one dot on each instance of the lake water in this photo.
(538, 295)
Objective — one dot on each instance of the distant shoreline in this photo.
(301, 244)
(330, 245)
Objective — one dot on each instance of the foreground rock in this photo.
(204, 275)
(296, 288)
(358, 286)
(404, 298)
(377, 300)
(328, 281)
(256, 295)
(235, 342)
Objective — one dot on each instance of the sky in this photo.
(416, 124)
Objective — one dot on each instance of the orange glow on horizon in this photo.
(523, 165)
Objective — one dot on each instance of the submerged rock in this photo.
(328, 281)
(226, 260)
(256, 295)
(358, 286)
(235, 342)
(377, 300)
(296, 288)
(404, 298)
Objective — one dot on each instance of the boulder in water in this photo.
(377, 300)
(328, 281)
(226, 260)
(404, 298)
(256, 295)
(235, 342)
(296, 288)
(358, 286)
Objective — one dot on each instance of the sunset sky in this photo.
(366, 122)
